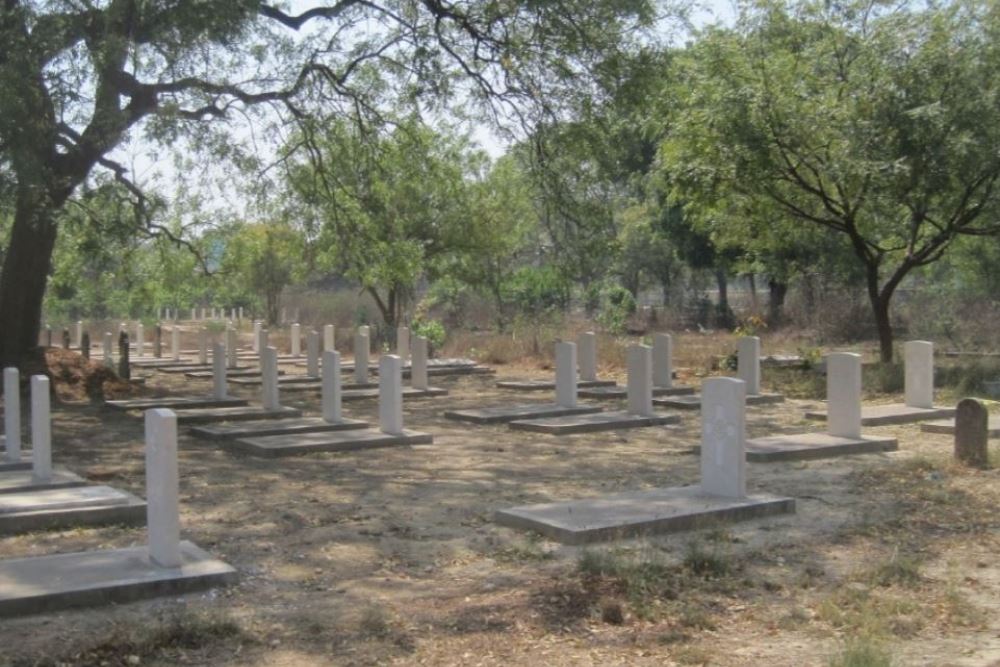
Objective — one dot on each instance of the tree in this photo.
(77, 78)
(875, 121)
(264, 258)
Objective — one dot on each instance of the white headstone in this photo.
(329, 342)
(403, 343)
(748, 363)
(418, 367)
(218, 371)
(566, 374)
(175, 342)
(360, 357)
(723, 437)
(194, 314)
(162, 513)
(365, 330)
(204, 313)
(109, 360)
(296, 334)
(261, 341)
(331, 386)
(390, 394)
(256, 336)
(312, 354)
(41, 429)
(640, 380)
(79, 334)
(586, 349)
(269, 379)
(232, 348)
(140, 340)
(843, 394)
(203, 346)
(12, 414)
(918, 372)
(663, 360)
(239, 313)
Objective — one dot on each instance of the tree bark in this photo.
(880, 300)
(724, 313)
(25, 273)
(776, 302)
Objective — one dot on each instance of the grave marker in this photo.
(124, 368)
(390, 394)
(256, 336)
(331, 386)
(12, 414)
(158, 341)
(361, 356)
(269, 378)
(640, 380)
(175, 343)
(312, 354)
(232, 349)
(41, 430)
(140, 340)
(723, 419)
(566, 375)
(918, 374)
(403, 343)
(748, 363)
(329, 341)
(296, 335)
(587, 351)
(218, 371)
(109, 357)
(162, 516)
(971, 432)
(85, 345)
(843, 394)
(418, 367)
(663, 361)
(203, 346)
(65, 339)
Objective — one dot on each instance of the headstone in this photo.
(239, 314)
(79, 332)
(403, 343)
(48, 335)
(204, 313)
(365, 330)
(203, 346)
(175, 343)
(640, 380)
(586, 348)
(663, 361)
(85, 345)
(41, 430)
(256, 336)
(723, 437)
(65, 339)
(261, 341)
(218, 371)
(124, 367)
(918, 374)
(361, 357)
(232, 349)
(312, 354)
(331, 386)
(971, 433)
(329, 342)
(843, 394)
(109, 350)
(140, 340)
(296, 333)
(284, 316)
(390, 394)
(162, 517)
(748, 363)
(566, 374)
(269, 379)
(123, 327)
(418, 367)
(194, 314)
(12, 414)
(158, 341)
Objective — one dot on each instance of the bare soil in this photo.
(390, 556)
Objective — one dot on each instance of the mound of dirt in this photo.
(75, 378)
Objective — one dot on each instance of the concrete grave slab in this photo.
(240, 413)
(547, 385)
(947, 427)
(243, 372)
(591, 423)
(408, 392)
(501, 414)
(638, 513)
(693, 401)
(23, 464)
(18, 481)
(893, 413)
(340, 441)
(63, 581)
(617, 391)
(64, 508)
(807, 446)
(175, 402)
(294, 426)
(257, 380)
(198, 368)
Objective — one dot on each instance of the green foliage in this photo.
(260, 260)
(615, 305)
(536, 291)
(862, 652)
(432, 330)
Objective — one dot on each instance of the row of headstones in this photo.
(41, 423)
(315, 342)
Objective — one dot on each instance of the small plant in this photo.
(899, 569)
(709, 562)
(374, 622)
(750, 326)
(432, 330)
(861, 652)
(616, 305)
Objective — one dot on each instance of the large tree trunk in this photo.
(776, 301)
(880, 300)
(725, 315)
(25, 273)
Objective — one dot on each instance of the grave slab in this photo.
(244, 372)
(620, 392)
(591, 423)
(18, 481)
(64, 508)
(274, 446)
(198, 368)
(501, 414)
(64, 581)
(256, 381)
(894, 413)
(693, 401)
(634, 514)
(176, 402)
(947, 427)
(240, 413)
(546, 385)
(249, 429)
(10, 466)
(408, 392)
(807, 446)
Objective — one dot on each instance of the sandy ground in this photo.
(389, 556)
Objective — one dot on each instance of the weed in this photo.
(861, 652)
(709, 562)
(374, 622)
(902, 570)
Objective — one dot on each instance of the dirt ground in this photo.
(390, 556)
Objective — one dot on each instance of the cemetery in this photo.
(479, 333)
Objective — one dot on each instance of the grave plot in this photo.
(167, 566)
(918, 404)
(947, 427)
(748, 370)
(663, 375)
(843, 436)
(640, 405)
(390, 432)
(720, 497)
(586, 349)
(565, 405)
(332, 419)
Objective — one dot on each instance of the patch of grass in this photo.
(644, 579)
(708, 561)
(899, 569)
(804, 383)
(861, 652)
(523, 552)
(695, 617)
(859, 611)
(375, 622)
(692, 655)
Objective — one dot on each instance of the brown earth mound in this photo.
(75, 378)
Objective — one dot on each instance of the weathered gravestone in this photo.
(85, 344)
(124, 371)
(158, 341)
(65, 339)
(971, 430)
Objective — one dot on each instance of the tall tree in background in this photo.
(875, 121)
